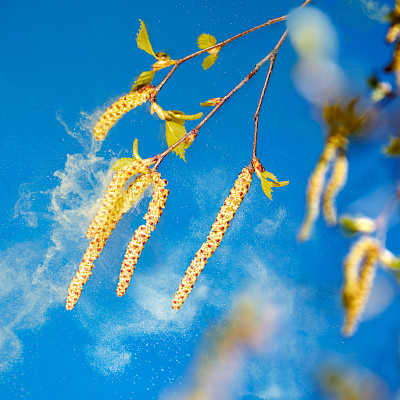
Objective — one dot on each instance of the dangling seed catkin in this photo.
(142, 234)
(112, 194)
(123, 105)
(315, 187)
(103, 228)
(218, 229)
(336, 183)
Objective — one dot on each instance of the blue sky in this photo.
(63, 63)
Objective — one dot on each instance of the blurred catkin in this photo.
(218, 229)
(315, 188)
(359, 271)
(123, 105)
(336, 183)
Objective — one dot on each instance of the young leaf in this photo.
(393, 149)
(267, 184)
(209, 61)
(144, 79)
(121, 163)
(182, 116)
(173, 132)
(155, 108)
(143, 40)
(205, 40)
(211, 102)
(160, 64)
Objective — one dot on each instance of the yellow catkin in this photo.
(134, 192)
(101, 234)
(218, 229)
(336, 183)
(142, 234)
(315, 187)
(123, 105)
(84, 271)
(359, 270)
(132, 254)
(112, 194)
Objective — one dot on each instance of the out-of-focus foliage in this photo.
(393, 148)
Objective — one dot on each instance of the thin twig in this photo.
(272, 54)
(256, 115)
(271, 67)
(220, 45)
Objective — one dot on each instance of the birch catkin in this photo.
(336, 183)
(359, 269)
(106, 222)
(218, 229)
(123, 105)
(132, 254)
(84, 271)
(112, 194)
(142, 234)
(315, 188)
(134, 192)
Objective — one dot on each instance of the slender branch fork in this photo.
(271, 56)
(271, 67)
(256, 115)
(221, 44)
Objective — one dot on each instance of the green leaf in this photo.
(267, 184)
(135, 150)
(393, 149)
(205, 40)
(209, 61)
(173, 132)
(143, 40)
(144, 79)
(121, 163)
(182, 116)
(269, 175)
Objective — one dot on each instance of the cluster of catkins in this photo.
(123, 105)
(333, 153)
(115, 203)
(218, 229)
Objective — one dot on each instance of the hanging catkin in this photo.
(218, 229)
(123, 105)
